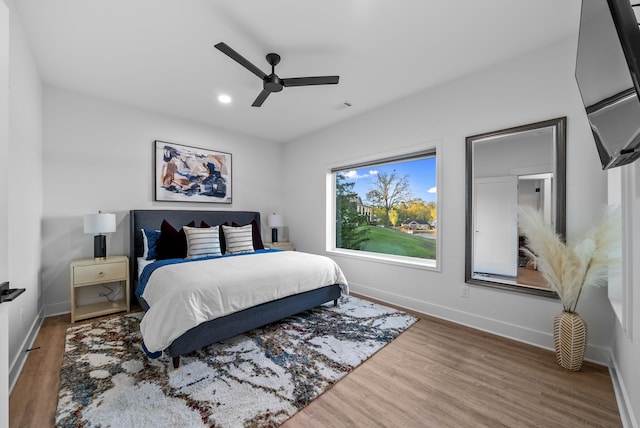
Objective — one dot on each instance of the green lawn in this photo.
(390, 241)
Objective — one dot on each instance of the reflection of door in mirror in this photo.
(496, 229)
(517, 166)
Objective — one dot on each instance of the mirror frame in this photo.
(560, 157)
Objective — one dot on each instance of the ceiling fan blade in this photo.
(261, 97)
(308, 81)
(224, 48)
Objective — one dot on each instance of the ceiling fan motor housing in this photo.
(273, 83)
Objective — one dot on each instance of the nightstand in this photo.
(280, 245)
(91, 272)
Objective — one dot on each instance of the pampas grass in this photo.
(570, 267)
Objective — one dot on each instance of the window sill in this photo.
(410, 262)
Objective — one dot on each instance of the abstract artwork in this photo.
(190, 174)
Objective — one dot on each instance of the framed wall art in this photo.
(191, 174)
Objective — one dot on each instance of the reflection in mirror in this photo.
(524, 165)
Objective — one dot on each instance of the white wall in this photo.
(534, 87)
(512, 155)
(99, 156)
(24, 194)
(4, 210)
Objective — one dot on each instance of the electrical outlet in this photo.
(464, 291)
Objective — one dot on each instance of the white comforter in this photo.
(184, 295)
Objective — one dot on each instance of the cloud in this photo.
(353, 174)
(349, 174)
(432, 190)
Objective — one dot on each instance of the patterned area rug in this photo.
(260, 378)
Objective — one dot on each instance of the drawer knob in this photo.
(100, 274)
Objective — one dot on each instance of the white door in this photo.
(496, 226)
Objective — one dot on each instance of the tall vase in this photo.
(569, 339)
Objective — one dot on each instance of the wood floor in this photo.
(436, 374)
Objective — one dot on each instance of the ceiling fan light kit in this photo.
(272, 83)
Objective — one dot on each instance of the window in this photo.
(386, 209)
(621, 194)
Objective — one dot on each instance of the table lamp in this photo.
(99, 223)
(274, 221)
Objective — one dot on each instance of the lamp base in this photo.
(274, 234)
(99, 247)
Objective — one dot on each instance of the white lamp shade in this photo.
(99, 223)
(275, 220)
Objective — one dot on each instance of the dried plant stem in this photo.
(569, 267)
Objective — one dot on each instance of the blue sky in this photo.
(421, 174)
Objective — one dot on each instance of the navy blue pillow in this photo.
(150, 238)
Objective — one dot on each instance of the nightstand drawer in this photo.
(99, 273)
(281, 245)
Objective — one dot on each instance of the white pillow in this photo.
(238, 239)
(202, 241)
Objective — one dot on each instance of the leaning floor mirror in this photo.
(523, 165)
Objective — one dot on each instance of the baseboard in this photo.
(18, 362)
(541, 339)
(57, 309)
(622, 397)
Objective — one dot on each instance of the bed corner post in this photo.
(335, 302)
(176, 362)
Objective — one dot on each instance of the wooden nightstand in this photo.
(280, 245)
(90, 272)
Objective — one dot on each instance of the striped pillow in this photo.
(202, 242)
(238, 239)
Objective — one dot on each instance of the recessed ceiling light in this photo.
(224, 99)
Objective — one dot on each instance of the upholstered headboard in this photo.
(152, 219)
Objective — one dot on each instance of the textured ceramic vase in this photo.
(569, 339)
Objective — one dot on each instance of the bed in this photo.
(231, 324)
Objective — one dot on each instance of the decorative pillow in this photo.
(202, 242)
(150, 240)
(172, 243)
(220, 234)
(255, 235)
(238, 239)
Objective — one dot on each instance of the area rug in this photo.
(260, 378)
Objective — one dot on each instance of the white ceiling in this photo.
(159, 55)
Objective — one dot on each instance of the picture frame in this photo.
(191, 174)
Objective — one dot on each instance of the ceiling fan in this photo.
(273, 83)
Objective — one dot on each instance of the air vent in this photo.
(343, 106)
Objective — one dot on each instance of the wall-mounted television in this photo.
(608, 75)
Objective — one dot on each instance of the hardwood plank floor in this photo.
(437, 373)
